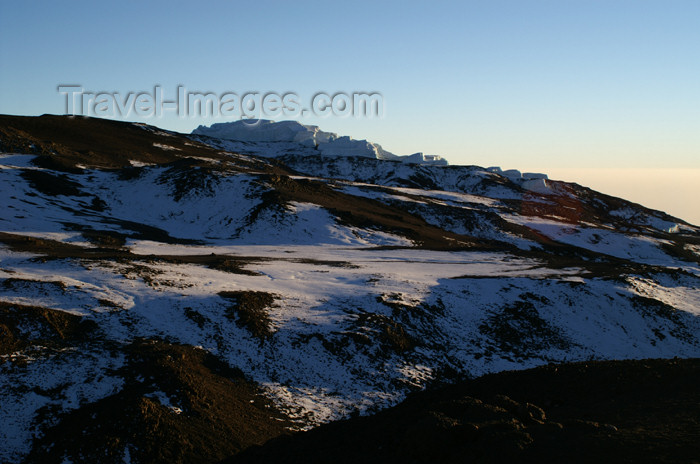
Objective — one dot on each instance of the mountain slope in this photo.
(333, 285)
(622, 411)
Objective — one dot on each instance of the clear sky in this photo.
(576, 87)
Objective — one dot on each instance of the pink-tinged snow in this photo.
(635, 247)
(399, 193)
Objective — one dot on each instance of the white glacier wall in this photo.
(534, 175)
(327, 143)
(263, 130)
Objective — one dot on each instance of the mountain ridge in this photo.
(334, 285)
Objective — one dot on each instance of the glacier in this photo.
(327, 143)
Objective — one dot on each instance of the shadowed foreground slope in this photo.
(618, 411)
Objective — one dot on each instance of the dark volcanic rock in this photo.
(617, 411)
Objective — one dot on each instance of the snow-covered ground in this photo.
(361, 315)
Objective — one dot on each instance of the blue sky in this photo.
(541, 84)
